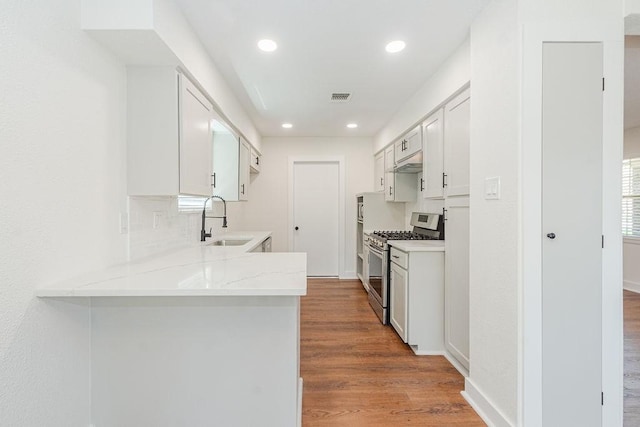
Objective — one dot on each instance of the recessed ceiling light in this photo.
(267, 45)
(352, 125)
(395, 46)
(287, 125)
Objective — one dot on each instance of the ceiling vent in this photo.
(340, 97)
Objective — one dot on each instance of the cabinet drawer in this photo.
(400, 258)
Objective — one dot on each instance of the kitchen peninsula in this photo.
(206, 335)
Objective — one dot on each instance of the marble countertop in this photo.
(202, 270)
(418, 245)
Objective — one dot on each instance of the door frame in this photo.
(530, 289)
(339, 160)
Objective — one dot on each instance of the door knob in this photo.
(551, 236)
(297, 228)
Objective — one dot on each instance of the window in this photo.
(631, 197)
(191, 203)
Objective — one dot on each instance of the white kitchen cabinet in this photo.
(378, 175)
(456, 145)
(457, 278)
(433, 159)
(446, 150)
(398, 285)
(417, 298)
(244, 169)
(398, 187)
(408, 144)
(231, 163)
(168, 134)
(256, 158)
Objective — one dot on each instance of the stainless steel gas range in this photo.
(426, 226)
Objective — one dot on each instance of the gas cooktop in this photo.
(402, 235)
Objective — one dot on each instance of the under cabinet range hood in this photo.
(411, 164)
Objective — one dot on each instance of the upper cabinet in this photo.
(256, 158)
(398, 187)
(231, 163)
(433, 169)
(446, 157)
(408, 145)
(244, 169)
(456, 145)
(378, 172)
(168, 134)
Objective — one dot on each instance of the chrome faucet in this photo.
(203, 233)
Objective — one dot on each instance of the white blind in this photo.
(191, 203)
(631, 197)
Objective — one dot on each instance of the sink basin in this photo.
(229, 242)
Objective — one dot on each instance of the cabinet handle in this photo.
(444, 179)
(421, 184)
(214, 180)
(257, 160)
(242, 188)
(390, 190)
(381, 182)
(444, 214)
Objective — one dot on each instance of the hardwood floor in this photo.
(631, 359)
(358, 372)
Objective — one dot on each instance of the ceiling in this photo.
(327, 46)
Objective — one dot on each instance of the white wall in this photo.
(62, 168)
(452, 75)
(494, 238)
(631, 247)
(267, 208)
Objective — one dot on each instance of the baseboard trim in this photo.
(348, 275)
(631, 286)
(300, 384)
(419, 352)
(483, 406)
(463, 371)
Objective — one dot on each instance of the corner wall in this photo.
(63, 173)
(494, 224)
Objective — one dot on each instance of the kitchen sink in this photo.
(229, 242)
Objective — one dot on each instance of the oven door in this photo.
(378, 283)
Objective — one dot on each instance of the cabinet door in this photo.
(389, 178)
(433, 158)
(226, 157)
(389, 184)
(413, 141)
(378, 184)
(398, 300)
(195, 140)
(456, 145)
(243, 170)
(256, 158)
(409, 144)
(456, 334)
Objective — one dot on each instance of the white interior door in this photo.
(572, 229)
(316, 193)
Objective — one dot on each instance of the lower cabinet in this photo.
(417, 298)
(456, 332)
(398, 283)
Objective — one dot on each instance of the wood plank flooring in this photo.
(631, 359)
(358, 372)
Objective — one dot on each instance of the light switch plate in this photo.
(492, 188)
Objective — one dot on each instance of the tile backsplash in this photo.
(156, 226)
